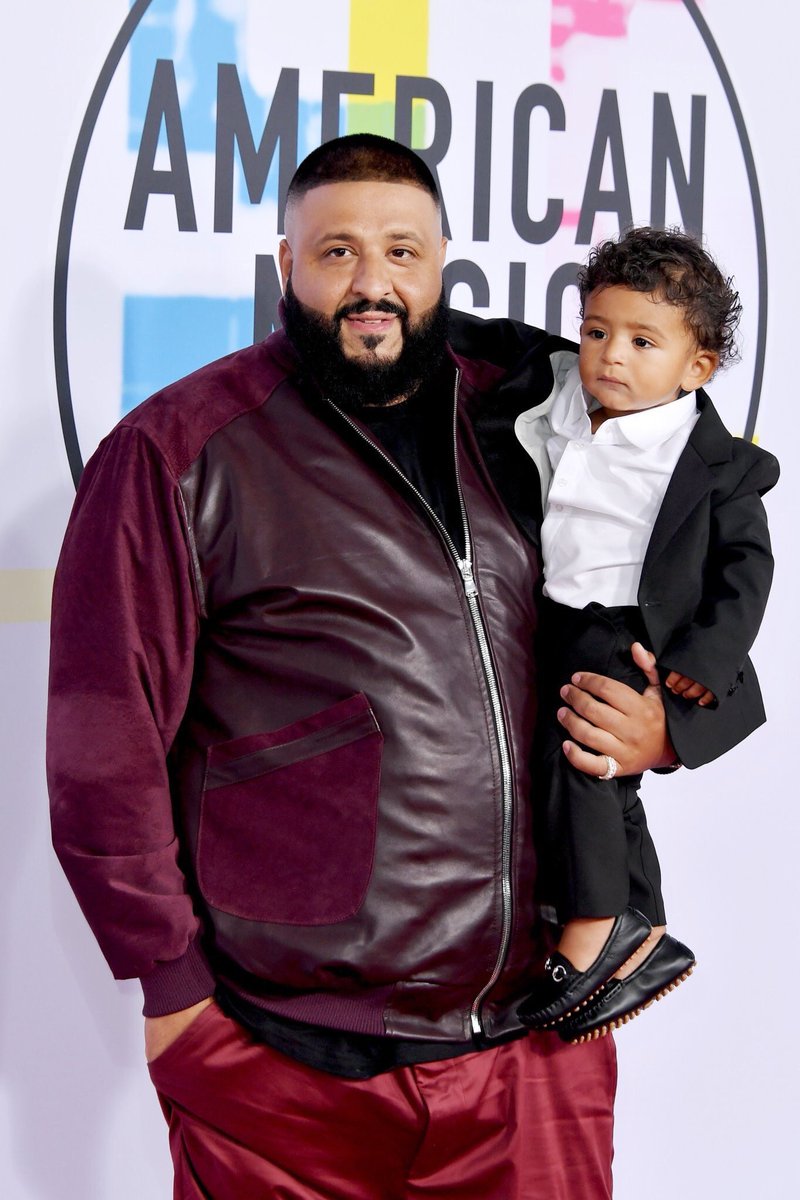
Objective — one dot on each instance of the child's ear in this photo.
(703, 365)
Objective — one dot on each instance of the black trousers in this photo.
(596, 855)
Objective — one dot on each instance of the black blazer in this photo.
(705, 581)
(708, 567)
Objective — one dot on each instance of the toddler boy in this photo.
(654, 532)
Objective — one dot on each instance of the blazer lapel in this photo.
(709, 445)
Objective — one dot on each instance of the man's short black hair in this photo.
(361, 157)
(676, 268)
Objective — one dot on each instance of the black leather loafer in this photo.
(620, 1000)
(561, 989)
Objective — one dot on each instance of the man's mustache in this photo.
(362, 306)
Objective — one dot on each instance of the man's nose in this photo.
(371, 278)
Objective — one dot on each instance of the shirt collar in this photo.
(568, 415)
(651, 427)
(569, 418)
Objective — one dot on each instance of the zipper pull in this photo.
(470, 586)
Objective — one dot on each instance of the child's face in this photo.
(637, 352)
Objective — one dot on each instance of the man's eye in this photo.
(337, 252)
(401, 252)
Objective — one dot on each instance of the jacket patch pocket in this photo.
(287, 818)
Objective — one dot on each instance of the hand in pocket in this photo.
(161, 1032)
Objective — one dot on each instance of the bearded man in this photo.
(292, 708)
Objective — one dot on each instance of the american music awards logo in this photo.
(548, 126)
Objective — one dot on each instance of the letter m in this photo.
(233, 129)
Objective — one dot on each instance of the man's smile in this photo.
(371, 323)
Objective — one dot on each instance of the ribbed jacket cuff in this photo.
(178, 984)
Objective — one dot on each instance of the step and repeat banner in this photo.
(152, 144)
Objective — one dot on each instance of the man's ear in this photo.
(285, 261)
(703, 365)
(443, 251)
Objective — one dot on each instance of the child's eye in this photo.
(641, 343)
(597, 334)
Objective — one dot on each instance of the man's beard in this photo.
(369, 381)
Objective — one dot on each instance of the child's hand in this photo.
(682, 685)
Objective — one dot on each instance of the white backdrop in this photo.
(708, 1097)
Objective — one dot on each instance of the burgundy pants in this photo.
(531, 1120)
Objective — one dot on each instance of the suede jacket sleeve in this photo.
(125, 623)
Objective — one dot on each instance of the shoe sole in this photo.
(572, 1012)
(603, 1030)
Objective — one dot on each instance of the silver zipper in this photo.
(465, 567)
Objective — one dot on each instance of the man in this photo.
(292, 705)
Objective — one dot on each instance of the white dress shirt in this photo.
(603, 490)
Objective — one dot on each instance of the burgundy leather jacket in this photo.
(290, 728)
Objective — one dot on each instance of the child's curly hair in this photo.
(673, 266)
